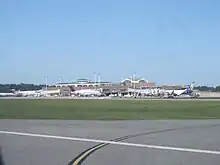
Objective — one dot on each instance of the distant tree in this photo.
(205, 88)
(217, 89)
(6, 88)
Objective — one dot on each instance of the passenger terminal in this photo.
(129, 87)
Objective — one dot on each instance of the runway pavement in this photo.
(111, 98)
(51, 142)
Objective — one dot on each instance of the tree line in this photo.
(7, 88)
(206, 88)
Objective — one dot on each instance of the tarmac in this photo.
(111, 98)
(153, 142)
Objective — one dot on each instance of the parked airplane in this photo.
(36, 93)
(26, 93)
(85, 92)
(143, 92)
(48, 92)
(188, 90)
(88, 92)
(6, 94)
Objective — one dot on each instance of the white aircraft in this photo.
(6, 94)
(87, 92)
(26, 93)
(48, 92)
(144, 91)
(188, 90)
(36, 93)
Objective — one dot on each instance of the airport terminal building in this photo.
(125, 86)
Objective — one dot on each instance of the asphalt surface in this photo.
(110, 98)
(26, 150)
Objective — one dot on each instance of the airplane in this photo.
(35, 93)
(48, 92)
(7, 94)
(188, 90)
(88, 92)
(144, 92)
(85, 92)
(25, 93)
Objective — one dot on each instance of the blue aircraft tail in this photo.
(190, 88)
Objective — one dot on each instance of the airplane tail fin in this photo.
(72, 89)
(192, 86)
(13, 91)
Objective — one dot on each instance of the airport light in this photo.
(95, 79)
(99, 79)
(61, 78)
(46, 79)
(60, 83)
(134, 79)
(134, 74)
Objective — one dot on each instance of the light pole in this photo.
(61, 78)
(95, 79)
(46, 79)
(134, 79)
(99, 78)
(60, 84)
(134, 84)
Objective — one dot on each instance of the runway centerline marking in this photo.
(160, 147)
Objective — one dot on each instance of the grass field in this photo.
(108, 109)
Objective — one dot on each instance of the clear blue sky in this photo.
(166, 41)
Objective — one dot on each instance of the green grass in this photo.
(108, 109)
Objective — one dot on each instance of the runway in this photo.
(111, 98)
(90, 142)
